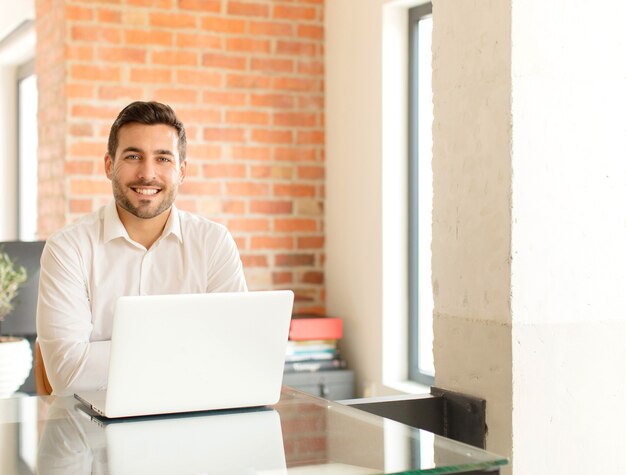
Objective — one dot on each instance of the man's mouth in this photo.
(145, 191)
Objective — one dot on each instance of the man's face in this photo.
(146, 171)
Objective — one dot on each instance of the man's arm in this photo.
(226, 270)
(64, 323)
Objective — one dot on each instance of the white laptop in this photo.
(232, 443)
(194, 352)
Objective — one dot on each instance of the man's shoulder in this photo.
(194, 222)
(84, 228)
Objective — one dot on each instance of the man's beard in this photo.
(144, 213)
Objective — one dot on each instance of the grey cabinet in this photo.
(334, 384)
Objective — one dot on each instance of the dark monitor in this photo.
(21, 321)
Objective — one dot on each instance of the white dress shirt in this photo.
(87, 265)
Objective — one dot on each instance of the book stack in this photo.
(312, 344)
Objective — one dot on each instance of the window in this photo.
(27, 153)
(421, 364)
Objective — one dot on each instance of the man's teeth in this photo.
(146, 191)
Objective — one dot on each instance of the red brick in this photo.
(247, 117)
(234, 207)
(82, 129)
(296, 48)
(83, 186)
(247, 189)
(249, 260)
(203, 6)
(250, 153)
(201, 188)
(150, 75)
(94, 112)
(203, 41)
(294, 190)
(274, 172)
(279, 278)
(311, 31)
(76, 12)
(295, 225)
(295, 119)
(271, 242)
(248, 9)
(311, 173)
(80, 206)
(311, 102)
(247, 45)
(95, 73)
(79, 52)
(311, 68)
(271, 207)
(294, 13)
(73, 91)
(312, 277)
(122, 55)
(220, 24)
(276, 101)
(222, 170)
(314, 137)
(293, 260)
(213, 60)
(149, 37)
(79, 167)
(87, 149)
(272, 136)
(272, 65)
(224, 98)
(109, 16)
(199, 78)
(176, 95)
(296, 84)
(175, 58)
(119, 92)
(152, 3)
(196, 151)
(248, 81)
(96, 35)
(173, 20)
(224, 135)
(248, 224)
(271, 28)
(295, 154)
(311, 242)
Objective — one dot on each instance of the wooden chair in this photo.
(42, 385)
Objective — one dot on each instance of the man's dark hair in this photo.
(148, 113)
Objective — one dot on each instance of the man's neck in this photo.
(143, 231)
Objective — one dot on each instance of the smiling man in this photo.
(139, 244)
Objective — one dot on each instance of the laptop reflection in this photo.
(221, 442)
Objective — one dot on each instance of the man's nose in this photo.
(147, 170)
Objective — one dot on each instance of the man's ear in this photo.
(183, 171)
(108, 166)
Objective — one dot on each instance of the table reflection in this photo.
(227, 442)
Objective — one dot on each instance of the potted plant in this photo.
(16, 357)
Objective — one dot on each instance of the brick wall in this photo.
(246, 78)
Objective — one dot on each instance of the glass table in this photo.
(300, 435)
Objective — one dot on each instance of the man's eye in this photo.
(132, 157)
(164, 159)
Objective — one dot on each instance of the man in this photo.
(139, 244)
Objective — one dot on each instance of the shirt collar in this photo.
(113, 227)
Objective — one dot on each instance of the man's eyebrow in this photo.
(163, 152)
(156, 152)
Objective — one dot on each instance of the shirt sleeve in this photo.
(225, 270)
(64, 323)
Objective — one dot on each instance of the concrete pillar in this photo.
(529, 225)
